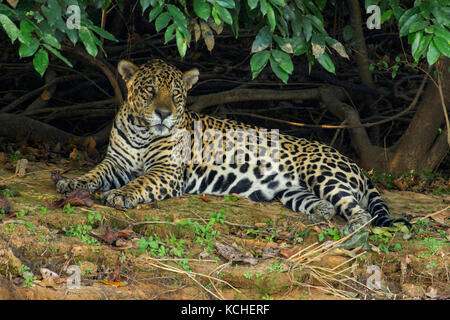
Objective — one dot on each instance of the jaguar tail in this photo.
(379, 209)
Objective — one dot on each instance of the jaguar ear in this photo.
(126, 69)
(190, 78)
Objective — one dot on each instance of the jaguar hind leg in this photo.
(348, 206)
(301, 199)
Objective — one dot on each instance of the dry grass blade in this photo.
(328, 276)
(159, 265)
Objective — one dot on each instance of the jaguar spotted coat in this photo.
(139, 166)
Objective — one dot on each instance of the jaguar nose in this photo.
(162, 114)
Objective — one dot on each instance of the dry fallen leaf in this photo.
(109, 237)
(4, 204)
(113, 283)
(48, 282)
(47, 273)
(46, 95)
(74, 154)
(232, 254)
(78, 197)
(261, 225)
(289, 252)
(13, 3)
(204, 198)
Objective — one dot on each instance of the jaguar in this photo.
(146, 157)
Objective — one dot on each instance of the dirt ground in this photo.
(205, 247)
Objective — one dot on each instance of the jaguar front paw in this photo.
(119, 199)
(322, 211)
(66, 185)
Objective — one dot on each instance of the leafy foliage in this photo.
(283, 28)
(43, 25)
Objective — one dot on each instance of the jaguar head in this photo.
(157, 93)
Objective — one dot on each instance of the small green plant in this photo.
(382, 65)
(231, 198)
(165, 247)
(386, 178)
(329, 233)
(43, 210)
(10, 227)
(441, 190)
(205, 233)
(31, 227)
(14, 156)
(22, 213)
(276, 267)
(7, 193)
(29, 277)
(267, 297)
(67, 208)
(92, 217)
(81, 232)
(2, 212)
(248, 276)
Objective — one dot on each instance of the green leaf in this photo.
(443, 33)
(51, 40)
(271, 17)
(103, 33)
(144, 4)
(326, 62)
(58, 54)
(432, 54)
(279, 72)
(26, 26)
(225, 15)
(162, 21)
(280, 3)
(258, 62)
(283, 60)
(285, 44)
(87, 37)
(404, 30)
(301, 48)
(263, 39)
(419, 45)
(386, 16)
(307, 28)
(442, 46)
(27, 49)
(154, 13)
(417, 26)
(317, 23)
(252, 4)
(441, 15)
(11, 29)
(40, 61)
(169, 34)
(226, 3)
(215, 15)
(263, 7)
(72, 34)
(202, 9)
(181, 43)
(178, 17)
(407, 15)
(321, 4)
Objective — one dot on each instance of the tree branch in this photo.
(238, 95)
